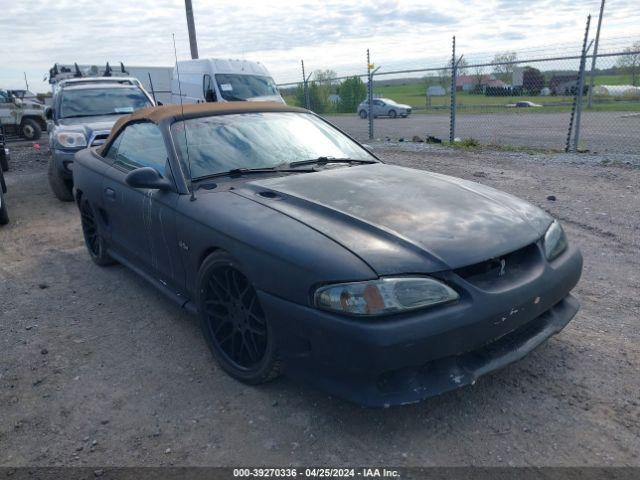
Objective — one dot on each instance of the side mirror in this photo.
(48, 113)
(147, 177)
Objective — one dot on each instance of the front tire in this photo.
(393, 113)
(4, 214)
(234, 323)
(30, 129)
(363, 114)
(92, 237)
(62, 188)
(4, 160)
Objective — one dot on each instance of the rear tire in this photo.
(62, 189)
(233, 323)
(363, 114)
(4, 214)
(30, 129)
(92, 237)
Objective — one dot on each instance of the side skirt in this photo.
(177, 298)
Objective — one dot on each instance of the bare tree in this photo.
(630, 62)
(479, 74)
(463, 66)
(503, 65)
(444, 76)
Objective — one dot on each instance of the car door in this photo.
(378, 108)
(142, 221)
(6, 110)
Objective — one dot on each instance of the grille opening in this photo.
(498, 271)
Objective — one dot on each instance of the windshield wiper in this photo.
(325, 160)
(238, 172)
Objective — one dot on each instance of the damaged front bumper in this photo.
(406, 358)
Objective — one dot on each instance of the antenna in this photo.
(184, 124)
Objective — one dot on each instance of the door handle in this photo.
(110, 193)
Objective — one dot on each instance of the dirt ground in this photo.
(99, 369)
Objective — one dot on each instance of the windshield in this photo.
(221, 143)
(101, 101)
(242, 87)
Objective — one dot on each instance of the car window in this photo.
(208, 90)
(242, 87)
(221, 143)
(113, 149)
(141, 145)
(87, 102)
(378, 102)
(4, 97)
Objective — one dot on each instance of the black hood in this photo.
(401, 220)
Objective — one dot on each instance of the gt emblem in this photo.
(503, 264)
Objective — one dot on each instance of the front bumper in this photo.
(406, 358)
(63, 162)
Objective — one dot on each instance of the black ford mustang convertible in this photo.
(303, 253)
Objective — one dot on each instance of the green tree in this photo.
(630, 62)
(327, 84)
(319, 103)
(352, 91)
(532, 81)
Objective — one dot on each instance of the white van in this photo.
(219, 80)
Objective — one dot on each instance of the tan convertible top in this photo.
(190, 110)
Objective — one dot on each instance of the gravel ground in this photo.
(601, 131)
(97, 368)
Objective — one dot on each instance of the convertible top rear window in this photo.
(220, 143)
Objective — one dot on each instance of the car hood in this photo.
(102, 122)
(401, 220)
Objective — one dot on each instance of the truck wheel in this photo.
(62, 189)
(4, 160)
(4, 216)
(30, 129)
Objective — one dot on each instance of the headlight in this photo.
(383, 296)
(71, 139)
(555, 241)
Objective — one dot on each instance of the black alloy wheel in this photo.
(234, 322)
(92, 238)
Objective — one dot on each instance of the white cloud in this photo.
(331, 34)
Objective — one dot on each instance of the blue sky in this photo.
(327, 34)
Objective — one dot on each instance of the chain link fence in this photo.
(550, 100)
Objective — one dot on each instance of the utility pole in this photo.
(192, 29)
(595, 54)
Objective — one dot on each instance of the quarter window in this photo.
(140, 145)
